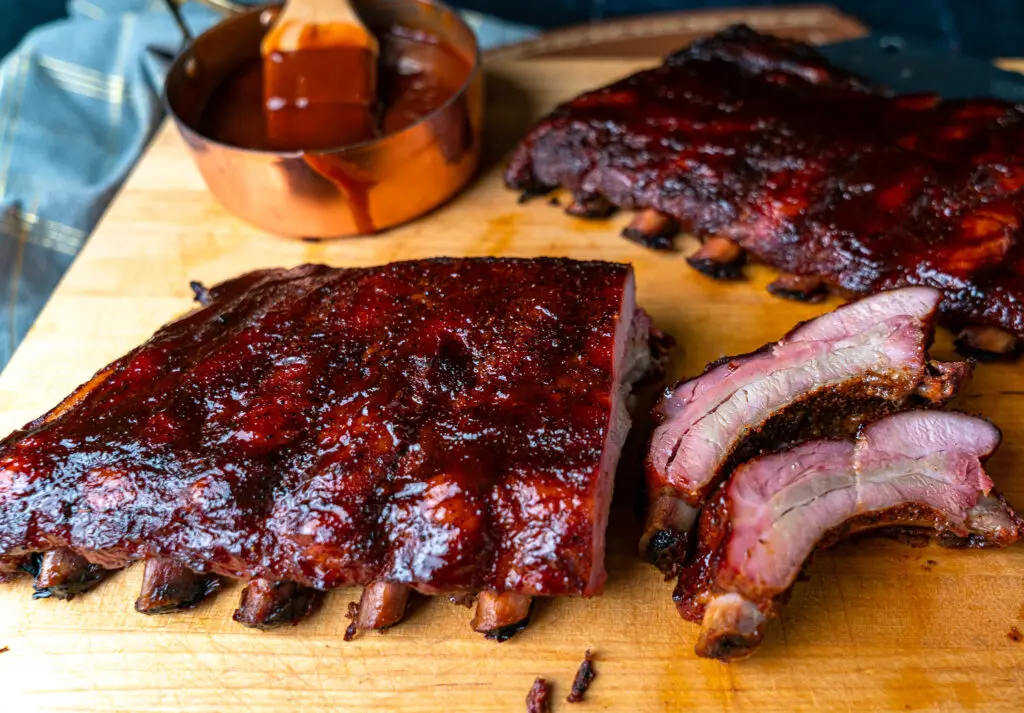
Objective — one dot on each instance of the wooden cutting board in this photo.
(880, 625)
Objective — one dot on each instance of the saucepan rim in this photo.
(234, 12)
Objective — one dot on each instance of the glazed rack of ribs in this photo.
(449, 426)
(760, 147)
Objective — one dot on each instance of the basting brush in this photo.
(319, 76)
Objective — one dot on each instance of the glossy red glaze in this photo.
(811, 169)
(439, 423)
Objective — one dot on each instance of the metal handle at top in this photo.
(224, 7)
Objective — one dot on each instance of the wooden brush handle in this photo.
(320, 12)
(318, 24)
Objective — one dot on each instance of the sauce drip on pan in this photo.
(418, 73)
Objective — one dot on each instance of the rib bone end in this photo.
(987, 343)
(381, 605)
(266, 604)
(501, 616)
(803, 288)
(652, 229)
(719, 258)
(731, 630)
(666, 534)
(943, 380)
(63, 573)
(591, 207)
(168, 586)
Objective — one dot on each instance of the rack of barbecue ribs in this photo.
(768, 456)
(446, 426)
(760, 147)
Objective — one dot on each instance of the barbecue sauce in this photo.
(299, 118)
(418, 74)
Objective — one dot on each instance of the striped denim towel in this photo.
(79, 100)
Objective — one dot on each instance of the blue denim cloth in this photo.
(79, 100)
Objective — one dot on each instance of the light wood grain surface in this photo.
(879, 626)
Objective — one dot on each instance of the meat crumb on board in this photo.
(538, 700)
(352, 613)
(1015, 635)
(584, 676)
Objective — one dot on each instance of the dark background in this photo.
(981, 28)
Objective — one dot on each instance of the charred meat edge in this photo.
(585, 675)
(266, 604)
(168, 586)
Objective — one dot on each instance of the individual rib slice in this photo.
(864, 359)
(444, 426)
(916, 468)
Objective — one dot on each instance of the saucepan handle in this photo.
(227, 7)
(224, 7)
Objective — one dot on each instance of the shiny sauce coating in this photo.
(809, 168)
(439, 423)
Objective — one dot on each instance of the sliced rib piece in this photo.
(916, 468)
(864, 359)
(168, 586)
(266, 604)
(806, 167)
(446, 425)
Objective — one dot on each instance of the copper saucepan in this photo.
(352, 190)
